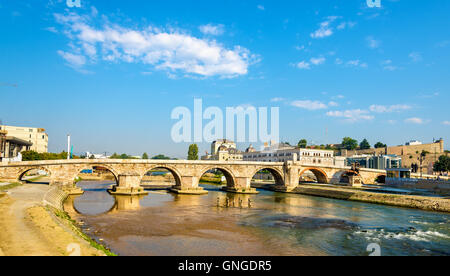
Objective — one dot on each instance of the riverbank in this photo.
(353, 194)
(31, 229)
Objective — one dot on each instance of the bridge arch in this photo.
(176, 174)
(342, 176)
(79, 169)
(24, 171)
(320, 174)
(277, 175)
(229, 176)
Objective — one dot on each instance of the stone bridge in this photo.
(187, 174)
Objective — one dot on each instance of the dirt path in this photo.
(27, 229)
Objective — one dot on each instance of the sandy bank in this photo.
(29, 229)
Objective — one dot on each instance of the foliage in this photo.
(145, 156)
(161, 157)
(193, 152)
(122, 156)
(302, 143)
(35, 156)
(380, 145)
(349, 143)
(364, 145)
(443, 164)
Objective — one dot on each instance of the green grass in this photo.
(65, 216)
(10, 186)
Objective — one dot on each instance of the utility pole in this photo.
(68, 147)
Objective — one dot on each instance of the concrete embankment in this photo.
(407, 201)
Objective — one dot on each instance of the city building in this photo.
(90, 155)
(378, 162)
(413, 143)
(410, 154)
(283, 152)
(11, 147)
(398, 173)
(36, 136)
(224, 150)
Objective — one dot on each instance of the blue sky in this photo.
(111, 72)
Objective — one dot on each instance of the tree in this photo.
(302, 143)
(443, 164)
(380, 145)
(30, 156)
(160, 157)
(114, 156)
(193, 152)
(145, 156)
(364, 145)
(349, 143)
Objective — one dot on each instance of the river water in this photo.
(265, 224)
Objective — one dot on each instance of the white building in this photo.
(413, 143)
(90, 155)
(283, 152)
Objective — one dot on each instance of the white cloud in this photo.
(372, 43)
(325, 29)
(344, 25)
(275, 100)
(72, 59)
(389, 109)
(212, 29)
(173, 51)
(356, 63)
(309, 105)
(317, 61)
(313, 61)
(260, 7)
(352, 115)
(417, 121)
(303, 65)
(446, 123)
(415, 56)
(333, 104)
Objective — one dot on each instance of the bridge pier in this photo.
(291, 178)
(188, 186)
(242, 185)
(129, 184)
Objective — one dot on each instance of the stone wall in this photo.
(437, 186)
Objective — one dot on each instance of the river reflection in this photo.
(266, 224)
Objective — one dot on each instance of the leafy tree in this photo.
(380, 145)
(193, 152)
(145, 156)
(160, 157)
(30, 156)
(364, 145)
(302, 143)
(34, 156)
(349, 143)
(443, 164)
(114, 156)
